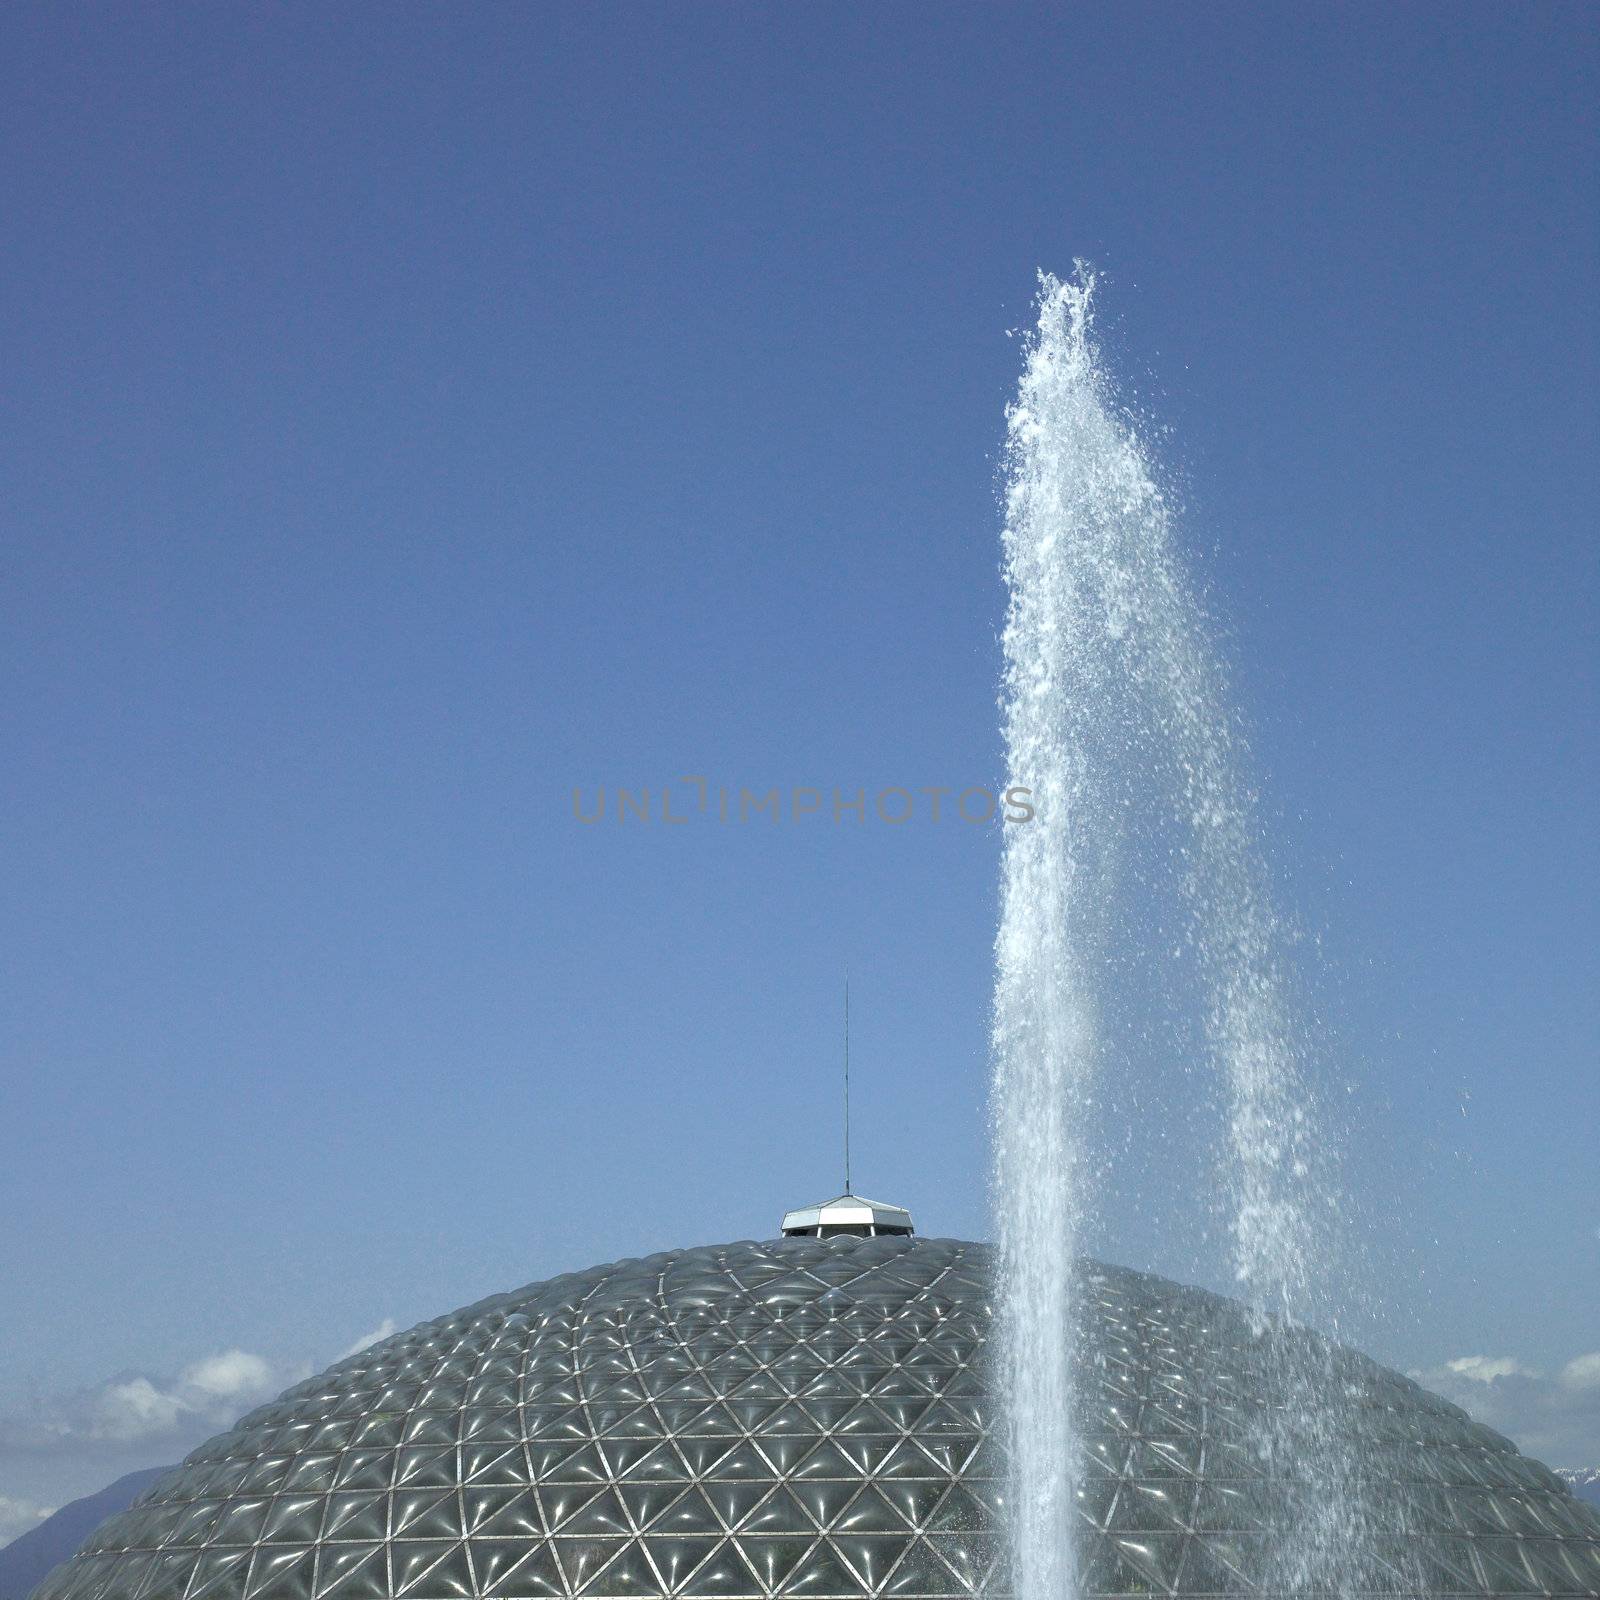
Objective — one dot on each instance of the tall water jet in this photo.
(1115, 701)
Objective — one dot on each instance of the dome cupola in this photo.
(851, 1214)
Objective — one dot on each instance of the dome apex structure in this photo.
(806, 1417)
(851, 1214)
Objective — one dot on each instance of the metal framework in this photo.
(806, 1417)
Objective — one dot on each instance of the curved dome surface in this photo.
(805, 1417)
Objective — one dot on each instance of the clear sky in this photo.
(413, 412)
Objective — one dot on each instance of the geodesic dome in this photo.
(805, 1417)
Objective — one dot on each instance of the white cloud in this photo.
(383, 1331)
(65, 1445)
(1582, 1372)
(17, 1516)
(1485, 1369)
(1554, 1419)
(235, 1373)
(140, 1407)
(130, 1409)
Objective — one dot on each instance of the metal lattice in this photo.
(806, 1417)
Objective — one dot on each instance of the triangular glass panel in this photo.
(493, 1559)
(1168, 1421)
(1501, 1563)
(944, 1416)
(412, 1562)
(217, 1569)
(693, 1512)
(1570, 1565)
(913, 1500)
(775, 1558)
(901, 1415)
(1175, 1455)
(560, 1502)
(920, 1573)
(353, 1571)
(625, 1393)
(644, 1501)
(241, 1523)
(872, 1556)
(675, 1557)
(951, 1455)
(546, 1420)
(421, 1468)
(959, 1511)
(907, 1383)
(869, 1512)
(294, 1519)
(493, 1463)
(581, 1559)
(1155, 1555)
(123, 1576)
(968, 1413)
(825, 1385)
(734, 1499)
(603, 1515)
(1240, 1553)
(169, 1574)
(758, 1387)
(723, 1572)
(628, 1573)
(825, 1498)
(715, 1420)
(265, 1476)
(478, 1504)
(969, 1555)
(660, 1462)
(686, 1390)
(553, 1392)
(282, 1572)
(1227, 1506)
(1204, 1574)
(452, 1576)
(785, 1450)
(911, 1461)
(1106, 1570)
(825, 1461)
(867, 1452)
(1433, 1567)
(780, 1512)
(495, 1392)
(355, 1516)
(1161, 1505)
(533, 1575)
(790, 1419)
(430, 1427)
(561, 1464)
(828, 1414)
(197, 1521)
(822, 1572)
(518, 1517)
(630, 1422)
(1105, 1455)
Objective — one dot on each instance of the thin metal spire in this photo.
(847, 1083)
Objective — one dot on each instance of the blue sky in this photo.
(414, 413)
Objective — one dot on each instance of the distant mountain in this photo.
(25, 1561)
(1582, 1481)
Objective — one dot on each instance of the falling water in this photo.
(1113, 693)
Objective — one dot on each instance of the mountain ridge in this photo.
(25, 1562)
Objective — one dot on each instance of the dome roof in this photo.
(805, 1417)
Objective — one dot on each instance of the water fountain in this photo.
(1113, 692)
